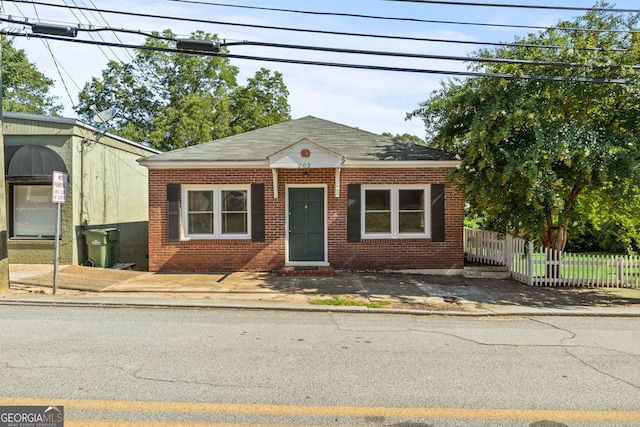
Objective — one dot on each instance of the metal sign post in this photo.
(58, 196)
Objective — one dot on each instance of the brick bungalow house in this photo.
(307, 194)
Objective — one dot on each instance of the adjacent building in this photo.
(106, 189)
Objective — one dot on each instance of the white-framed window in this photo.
(395, 211)
(216, 212)
(34, 214)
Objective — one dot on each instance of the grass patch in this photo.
(346, 301)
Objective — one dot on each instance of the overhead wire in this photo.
(308, 30)
(84, 15)
(58, 65)
(391, 18)
(406, 55)
(114, 35)
(519, 6)
(55, 60)
(340, 65)
(144, 74)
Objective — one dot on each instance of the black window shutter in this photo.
(437, 213)
(257, 213)
(353, 213)
(173, 212)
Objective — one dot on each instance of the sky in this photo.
(372, 100)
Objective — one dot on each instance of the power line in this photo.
(405, 55)
(56, 63)
(389, 18)
(416, 55)
(520, 6)
(335, 64)
(306, 30)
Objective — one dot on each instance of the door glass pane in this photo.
(34, 215)
(411, 211)
(377, 211)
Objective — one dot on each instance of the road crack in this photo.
(566, 348)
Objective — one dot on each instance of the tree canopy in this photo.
(24, 88)
(406, 137)
(171, 99)
(531, 146)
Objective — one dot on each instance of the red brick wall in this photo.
(369, 254)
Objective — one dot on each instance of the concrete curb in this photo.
(227, 304)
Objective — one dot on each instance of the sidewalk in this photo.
(397, 293)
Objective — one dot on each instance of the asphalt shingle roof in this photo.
(352, 143)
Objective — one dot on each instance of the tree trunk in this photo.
(554, 235)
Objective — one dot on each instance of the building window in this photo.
(377, 211)
(395, 212)
(216, 212)
(34, 215)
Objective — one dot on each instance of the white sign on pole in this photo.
(58, 196)
(59, 191)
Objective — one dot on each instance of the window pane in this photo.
(411, 200)
(411, 222)
(200, 201)
(234, 201)
(234, 212)
(377, 200)
(200, 223)
(200, 212)
(377, 215)
(411, 211)
(234, 223)
(377, 222)
(34, 215)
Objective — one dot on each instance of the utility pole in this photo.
(4, 238)
(57, 30)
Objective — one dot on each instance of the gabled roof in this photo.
(256, 146)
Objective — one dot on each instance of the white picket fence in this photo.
(547, 267)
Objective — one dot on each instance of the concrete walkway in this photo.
(387, 292)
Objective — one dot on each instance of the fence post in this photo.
(619, 271)
(530, 264)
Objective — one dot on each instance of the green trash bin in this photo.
(102, 247)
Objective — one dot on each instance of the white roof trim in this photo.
(261, 164)
(307, 155)
(390, 164)
(264, 164)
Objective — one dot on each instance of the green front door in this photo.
(306, 224)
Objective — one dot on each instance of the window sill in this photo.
(215, 239)
(395, 237)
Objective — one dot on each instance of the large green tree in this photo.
(531, 147)
(24, 88)
(171, 99)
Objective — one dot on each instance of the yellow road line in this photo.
(319, 411)
(129, 423)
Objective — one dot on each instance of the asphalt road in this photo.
(182, 367)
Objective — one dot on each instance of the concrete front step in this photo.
(486, 272)
(302, 271)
